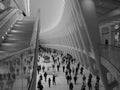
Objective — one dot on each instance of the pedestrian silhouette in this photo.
(43, 68)
(96, 86)
(45, 76)
(71, 86)
(73, 70)
(89, 81)
(38, 69)
(54, 80)
(84, 78)
(75, 79)
(63, 68)
(81, 71)
(67, 78)
(40, 86)
(83, 86)
(49, 82)
(97, 79)
(89, 85)
(58, 68)
(41, 77)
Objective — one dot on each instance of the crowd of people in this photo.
(71, 68)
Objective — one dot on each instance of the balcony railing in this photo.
(112, 54)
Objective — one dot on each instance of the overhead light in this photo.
(9, 29)
(116, 26)
(3, 37)
(11, 26)
(6, 33)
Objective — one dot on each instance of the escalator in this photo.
(18, 50)
(18, 37)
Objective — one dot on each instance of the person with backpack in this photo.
(40, 86)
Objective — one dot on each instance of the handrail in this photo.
(33, 38)
(5, 13)
(109, 45)
(114, 66)
(14, 53)
(19, 8)
(2, 22)
(35, 44)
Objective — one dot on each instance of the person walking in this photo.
(89, 81)
(89, 85)
(84, 78)
(97, 79)
(75, 79)
(67, 78)
(76, 71)
(40, 86)
(38, 69)
(73, 70)
(43, 68)
(58, 68)
(45, 76)
(53, 66)
(96, 86)
(49, 82)
(81, 71)
(63, 68)
(70, 71)
(54, 80)
(10, 80)
(66, 72)
(41, 77)
(97, 83)
(24, 69)
(71, 86)
(83, 86)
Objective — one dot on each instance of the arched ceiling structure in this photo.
(51, 12)
(70, 34)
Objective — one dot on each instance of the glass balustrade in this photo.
(111, 54)
(16, 71)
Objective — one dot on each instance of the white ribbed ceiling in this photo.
(50, 12)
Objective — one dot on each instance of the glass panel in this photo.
(16, 71)
(111, 54)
